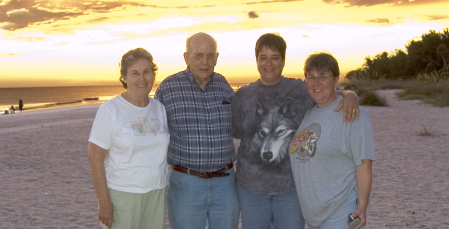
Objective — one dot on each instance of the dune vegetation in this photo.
(421, 71)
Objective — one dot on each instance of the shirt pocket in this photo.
(224, 115)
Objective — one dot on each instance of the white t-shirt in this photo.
(137, 141)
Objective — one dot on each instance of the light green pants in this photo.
(138, 210)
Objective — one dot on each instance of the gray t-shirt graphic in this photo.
(265, 117)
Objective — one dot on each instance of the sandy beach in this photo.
(45, 180)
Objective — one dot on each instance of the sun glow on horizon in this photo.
(84, 47)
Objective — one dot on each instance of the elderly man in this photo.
(201, 149)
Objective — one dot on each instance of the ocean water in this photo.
(53, 97)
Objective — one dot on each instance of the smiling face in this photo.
(140, 78)
(201, 57)
(270, 65)
(322, 87)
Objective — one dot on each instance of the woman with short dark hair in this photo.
(331, 159)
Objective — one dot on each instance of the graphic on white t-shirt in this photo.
(143, 125)
(158, 125)
(304, 141)
(138, 128)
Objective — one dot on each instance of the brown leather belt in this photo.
(219, 173)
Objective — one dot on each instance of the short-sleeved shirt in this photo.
(199, 121)
(325, 152)
(265, 117)
(136, 139)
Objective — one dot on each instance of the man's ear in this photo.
(216, 58)
(186, 56)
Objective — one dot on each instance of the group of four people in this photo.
(283, 124)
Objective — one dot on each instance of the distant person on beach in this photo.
(12, 110)
(265, 115)
(128, 150)
(201, 150)
(20, 105)
(331, 159)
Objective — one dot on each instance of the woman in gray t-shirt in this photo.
(331, 159)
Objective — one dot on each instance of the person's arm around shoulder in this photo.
(350, 106)
(364, 182)
(98, 174)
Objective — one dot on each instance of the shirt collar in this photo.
(273, 85)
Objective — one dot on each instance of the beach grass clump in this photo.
(414, 97)
(426, 131)
(372, 99)
(427, 91)
(435, 94)
(392, 85)
(356, 85)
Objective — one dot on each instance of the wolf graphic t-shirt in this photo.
(265, 117)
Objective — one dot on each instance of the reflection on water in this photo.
(51, 97)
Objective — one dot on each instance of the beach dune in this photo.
(45, 180)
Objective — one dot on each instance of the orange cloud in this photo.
(379, 20)
(381, 2)
(273, 1)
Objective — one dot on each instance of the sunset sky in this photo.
(77, 42)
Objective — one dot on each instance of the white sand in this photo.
(45, 180)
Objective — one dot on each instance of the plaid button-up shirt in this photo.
(199, 121)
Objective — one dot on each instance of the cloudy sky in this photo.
(78, 42)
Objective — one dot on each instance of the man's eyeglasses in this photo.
(200, 56)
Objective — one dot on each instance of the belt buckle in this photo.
(205, 175)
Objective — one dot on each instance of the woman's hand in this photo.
(361, 214)
(105, 212)
(96, 163)
(350, 105)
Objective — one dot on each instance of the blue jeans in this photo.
(339, 219)
(192, 200)
(262, 212)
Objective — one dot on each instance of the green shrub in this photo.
(362, 92)
(441, 100)
(349, 86)
(372, 99)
